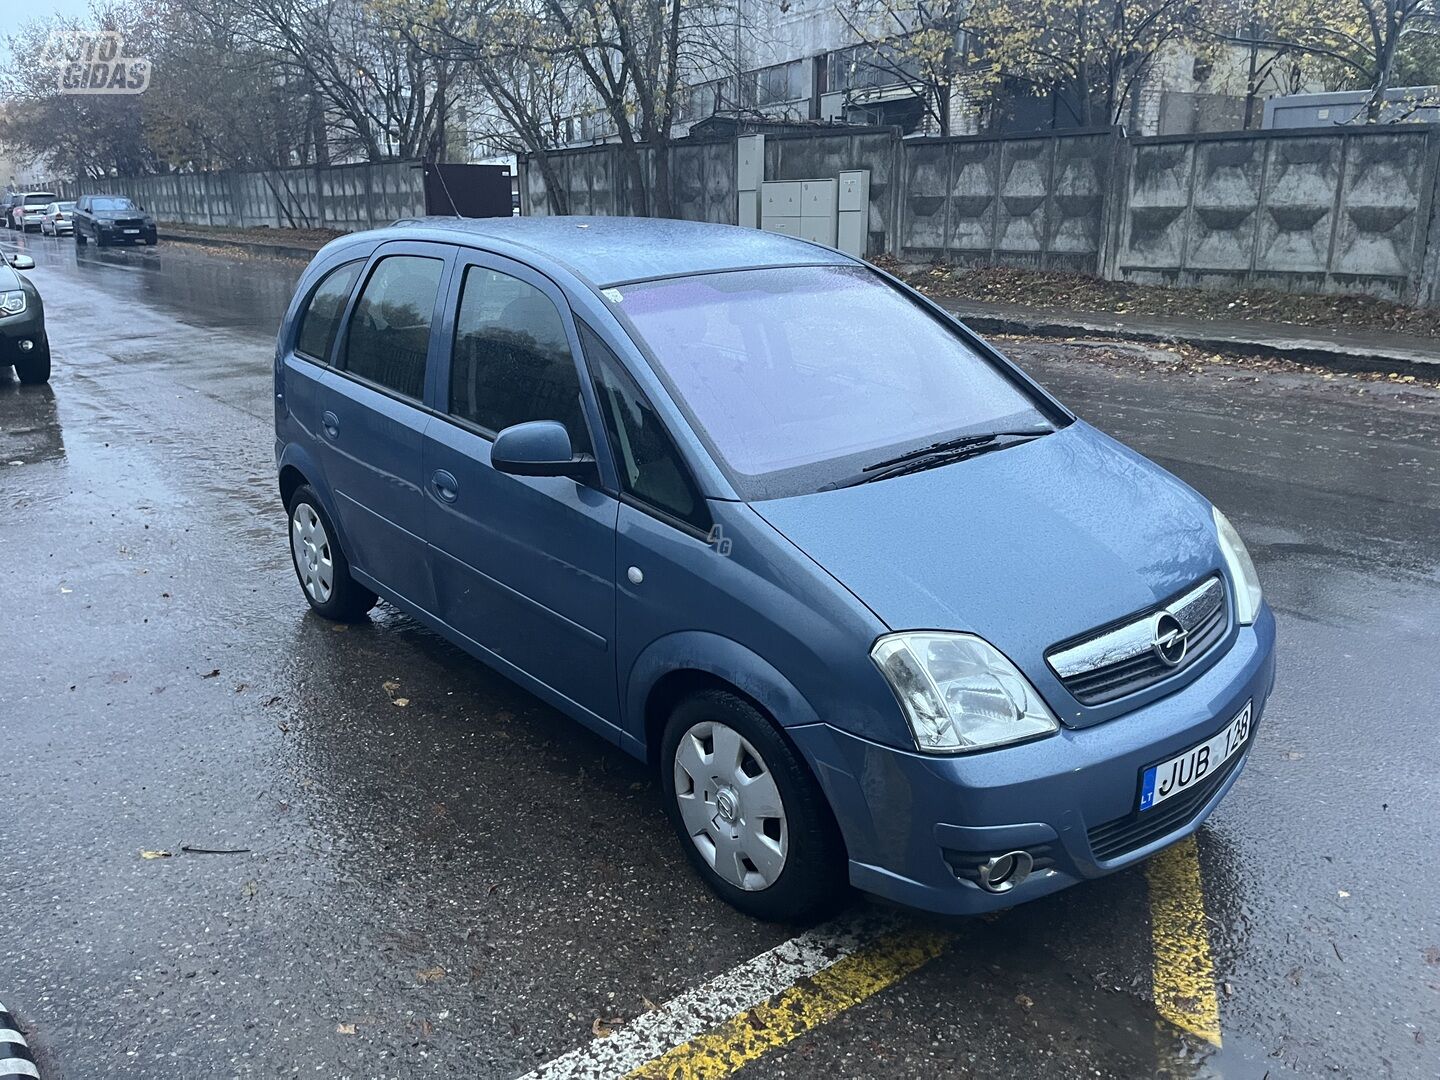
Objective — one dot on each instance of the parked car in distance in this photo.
(27, 208)
(875, 606)
(59, 218)
(23, 342)
(112, 219)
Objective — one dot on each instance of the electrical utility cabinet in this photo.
(803, 208)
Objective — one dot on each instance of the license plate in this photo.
(132, 232)
(1186, 770)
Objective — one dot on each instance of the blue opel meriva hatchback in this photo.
(876, 606)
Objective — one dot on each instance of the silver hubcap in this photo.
(730, 806)
(311, 549)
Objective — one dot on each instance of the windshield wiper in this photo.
(946, 452)
(960, 443)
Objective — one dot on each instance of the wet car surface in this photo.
(465, 883)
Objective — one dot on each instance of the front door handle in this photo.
(331, 423)
(445, 485)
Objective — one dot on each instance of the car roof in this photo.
(613, 250)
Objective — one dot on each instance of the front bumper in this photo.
(915, 824)
(115, 235)
(28, 325)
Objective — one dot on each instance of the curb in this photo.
(16, 1061)
(1299, 348)
(254, 247)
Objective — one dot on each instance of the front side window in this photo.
(801, 376)
(321, 318)
(512, 359)
(650, 467)
(390, 329)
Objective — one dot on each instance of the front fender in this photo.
(712, 654)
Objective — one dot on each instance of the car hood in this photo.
(1025, 546)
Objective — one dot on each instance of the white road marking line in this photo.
(18, 1067)
(695, 1011)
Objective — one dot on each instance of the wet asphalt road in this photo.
(460, 886)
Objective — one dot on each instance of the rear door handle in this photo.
(445, 485)
(331, 423)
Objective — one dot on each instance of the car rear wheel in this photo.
(34, 366)
(749, 814)
(320, 564)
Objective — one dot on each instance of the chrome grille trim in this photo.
(1122, 660)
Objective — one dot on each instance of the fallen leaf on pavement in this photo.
(401, 701)
(603, 1027)
(430, 975)
(154, 854)
(1025, 1000)
(211, 673)
(344, 1029)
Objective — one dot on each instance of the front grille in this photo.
(1138, 828)
(1124, 659)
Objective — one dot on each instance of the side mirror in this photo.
(539, 448)
(21, 262)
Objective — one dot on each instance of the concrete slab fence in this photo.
(342, 197)
(1329, 210)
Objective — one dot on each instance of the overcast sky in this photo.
(41, 9)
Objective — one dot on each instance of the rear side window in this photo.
(512, 359)
(321, 319)
(390, 330)
(651, 468)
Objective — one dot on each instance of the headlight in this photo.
(1242, 570)
(12, 303)
(959, 693)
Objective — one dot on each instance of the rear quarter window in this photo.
(320, 319)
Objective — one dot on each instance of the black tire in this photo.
(348, 600)
(99, 240)
(79, 237)
(34, 367)
(813, 879)
(150, 241)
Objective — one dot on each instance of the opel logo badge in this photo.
(727, 804)
(1169, 639)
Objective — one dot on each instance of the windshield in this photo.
(111, 203)
(797, 377)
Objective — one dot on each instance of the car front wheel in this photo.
(750, 816)
(320, 564)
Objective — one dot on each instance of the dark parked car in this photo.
(874, 605)
(23, 344)
(112, 219)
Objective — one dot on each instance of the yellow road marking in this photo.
(1184, 973)
(813, 1001)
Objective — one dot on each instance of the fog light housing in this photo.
(1003, 872)
(26, 344)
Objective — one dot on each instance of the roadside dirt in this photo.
(1046, 290)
